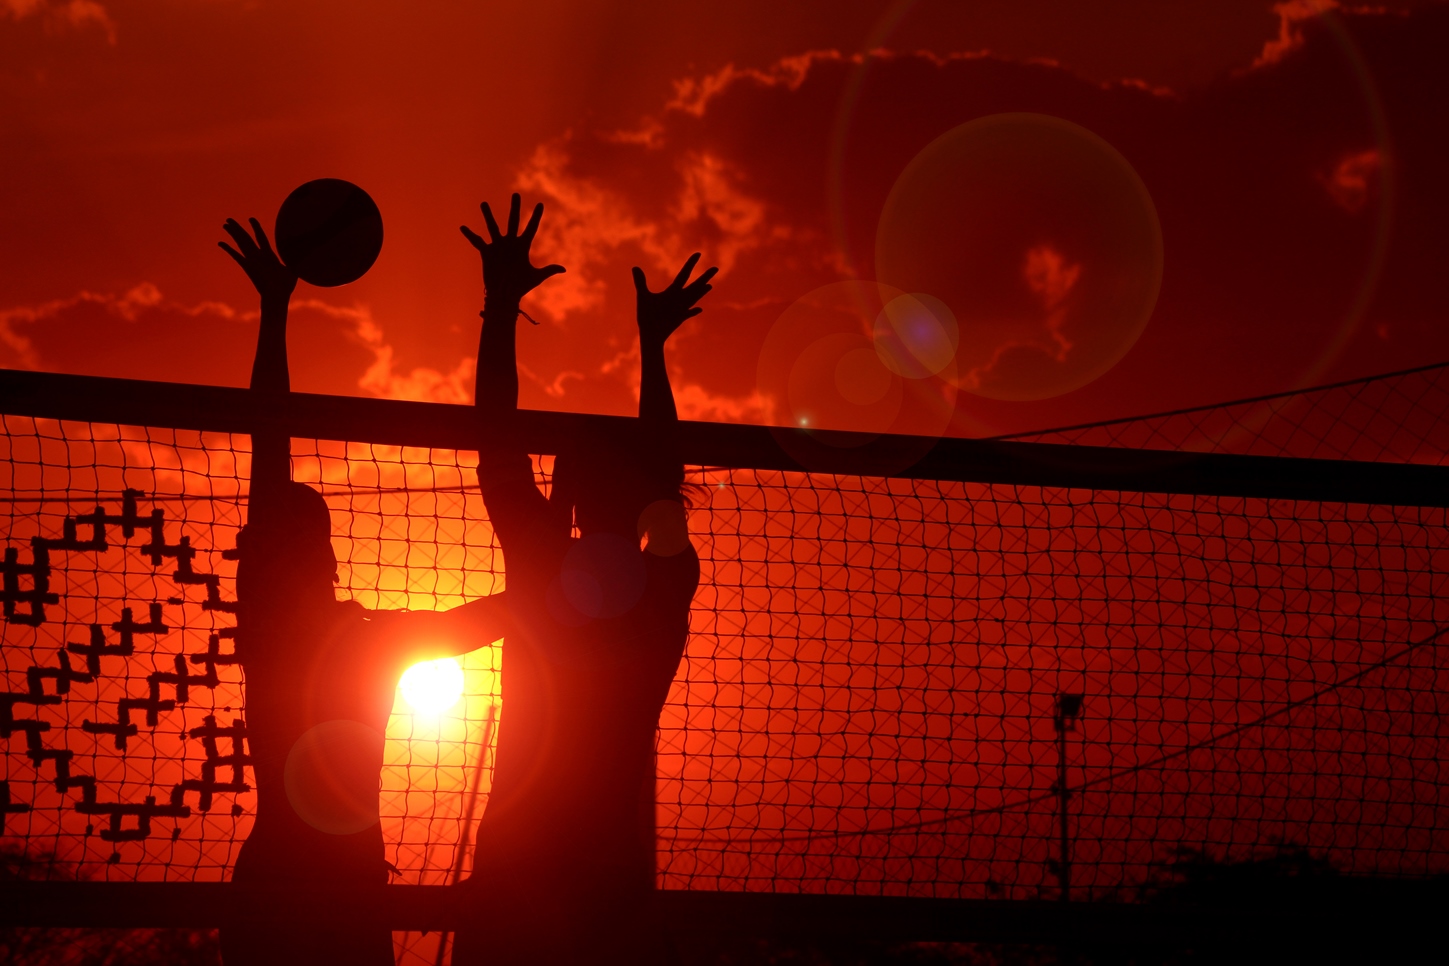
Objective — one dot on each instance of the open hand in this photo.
(660, 313)
(507, 272)
(273, 280)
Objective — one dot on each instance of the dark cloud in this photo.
(1301, 204)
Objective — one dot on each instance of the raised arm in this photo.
(660, 314)
(508, 276)
(505, 473)
(274, 283)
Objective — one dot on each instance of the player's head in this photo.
(286, 549)
(610, 478)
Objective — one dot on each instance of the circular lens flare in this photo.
(860, 379)
(916, 335)
(830, 387)
(838, 383)
(432, 687)
(330, 776)
(1040, 241)
(825, 367)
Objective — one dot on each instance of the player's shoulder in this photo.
(352, 613)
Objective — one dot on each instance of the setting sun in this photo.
(432, 687)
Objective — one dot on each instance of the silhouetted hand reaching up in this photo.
(273, 280)
(661, 313)
(275, 283)
(508, 275)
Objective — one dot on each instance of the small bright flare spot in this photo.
(433, 687)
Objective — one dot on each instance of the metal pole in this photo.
(1064, 719)
(1064, 796)
(483, 745)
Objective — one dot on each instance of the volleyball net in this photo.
(1002, 671)
(1394, 417)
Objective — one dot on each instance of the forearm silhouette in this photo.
(426, 635)
(508, 276)
(274, 282)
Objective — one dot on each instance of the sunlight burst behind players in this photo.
(432, 687)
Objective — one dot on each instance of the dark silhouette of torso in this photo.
(567, 840)
(565, 850)
(582, 695)
(309, 661)
(297, 678)
(320, 678)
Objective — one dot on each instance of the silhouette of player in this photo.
(565, 849)
(321, 676)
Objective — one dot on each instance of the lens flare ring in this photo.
(1031, 240)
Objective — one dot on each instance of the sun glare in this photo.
(433, 687)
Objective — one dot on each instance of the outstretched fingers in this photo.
(701, 284)
(252, 250)
(239, 235)
(514, 207)
(263, 242)
(683, 275)
(507, 269)
(473, 237)
(641, 286)
(531, 228)
(698, 289)
(236, 255)
(493, 232)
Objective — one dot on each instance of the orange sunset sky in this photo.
(1295, 154)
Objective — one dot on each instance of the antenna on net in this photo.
(485, 742)
(1067, 710)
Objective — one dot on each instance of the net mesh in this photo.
(874, 698)
(870, 701)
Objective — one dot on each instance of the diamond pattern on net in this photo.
(15, 574)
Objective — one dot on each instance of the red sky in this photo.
(1295, 162)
